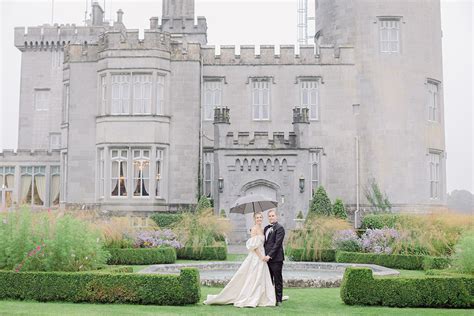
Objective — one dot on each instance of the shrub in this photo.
(157, 238)
(166, 220)
(203, 204)
(223, 214)
(300, 254)
(407, 262)
(204, 253)
(142, 256)
(127, 288)
(379, 240)
(346, 240)
(430, 262)
(48, 241)
(379, 221)
(464, 256)
(320, 204)
(300, 215)
(376, 198)
(360, 288)
(339, 209)
(316, 235)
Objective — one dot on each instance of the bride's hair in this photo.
(256, 214)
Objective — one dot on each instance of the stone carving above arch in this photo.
(259, 182)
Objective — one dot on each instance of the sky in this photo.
(239, 22)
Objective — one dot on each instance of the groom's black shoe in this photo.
(278, 304)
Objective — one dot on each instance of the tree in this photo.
(203, 204)
(320, 204)
(376, 198)
(339, 209)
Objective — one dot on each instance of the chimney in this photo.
(97, 14)
(119, 16)
(153, 23)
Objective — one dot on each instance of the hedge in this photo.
(165, 220)
(76, 287)
(406, 262)
(379, 221)
(204, 253)
(141, 255)
(300, 254)
(360, 288)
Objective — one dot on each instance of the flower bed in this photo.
(142, 256)
(360, 288)
(203, 253)
(102, 287)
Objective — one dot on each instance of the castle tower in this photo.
(178, 19)
(400, 120)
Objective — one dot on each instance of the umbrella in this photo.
(252, 203)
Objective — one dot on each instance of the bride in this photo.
(251, 285)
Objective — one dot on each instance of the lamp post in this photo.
(220, 184)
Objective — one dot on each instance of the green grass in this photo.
(302, 301)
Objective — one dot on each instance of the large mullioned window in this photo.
(389, 35)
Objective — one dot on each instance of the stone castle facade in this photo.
(128, 125)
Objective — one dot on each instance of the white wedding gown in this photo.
(251, 285)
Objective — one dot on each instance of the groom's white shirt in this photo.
(268, 232)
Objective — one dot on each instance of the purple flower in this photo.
(380, 240)
(157, 238)
(346, 240)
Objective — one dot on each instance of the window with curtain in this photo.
(389, 35)
(101, 173)
(208, 169)
(142, 93)
(433, 101)
(159, 172)
(315, 176)
(141, 172)
(435, 169)
(55, 186)
(119, 172)
(309, 97)
(212, 98)
(160, 94)
(7, 183)
(33, 185)
(120, 94)
(260, 99)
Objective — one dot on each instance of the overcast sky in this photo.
(238, 22)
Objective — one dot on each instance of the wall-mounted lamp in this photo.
(301, 183)
(220, 184)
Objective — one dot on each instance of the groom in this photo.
(274, 235)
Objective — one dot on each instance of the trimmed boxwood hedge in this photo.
(102, 287)
(360, 288)
(300, 254)
(205, 253)
(406, 262)
(141, 256)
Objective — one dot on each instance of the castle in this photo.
(127, 125)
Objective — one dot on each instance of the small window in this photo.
(315, 174)
(208, 170)
(142, 94)
(103, 93)
(389, 35)
(54, 141)
(120, 94)
(212, 98)
(159, 173)
(433, 101)
(42, 99)
(260, 100)
(160, 94)
(309, 97)
(435, 169)
(65, 109)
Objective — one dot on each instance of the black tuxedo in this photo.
(274, 249)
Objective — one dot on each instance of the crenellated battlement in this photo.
(8, 155)
(129, 39)
(47, 37)
(309, 54)
(260, 140)
(183, 25)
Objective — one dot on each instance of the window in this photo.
(141, 172)
(160, 94)
(64, 167)
(57, 57)
(54, 141)
(42, 99)
(141, 94)
(309, 97)
(33, 185)
(389, 35)
(101, 173)
(119, 173)
(315, 174)
(54, 188)
(433, 101)
(120, 94)
(434, 166)
(212, 98)
(103, 94)
(208, 170)
(7, 183)
(261, 99)
(65, 110)
(159, 173)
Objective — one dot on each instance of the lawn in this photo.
(302, 302)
